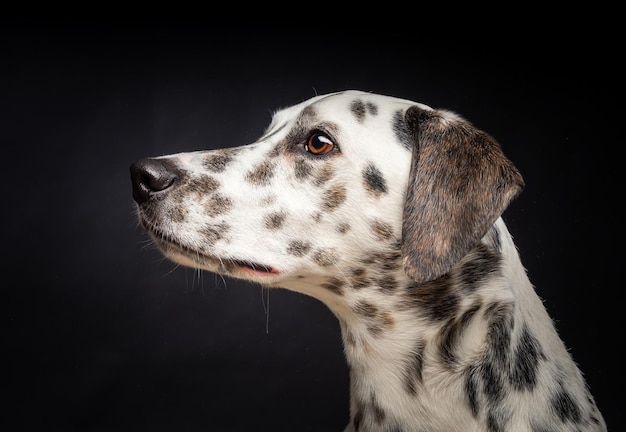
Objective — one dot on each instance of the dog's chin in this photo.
(240, 269)
(190, 257)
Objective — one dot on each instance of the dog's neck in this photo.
(399, 337)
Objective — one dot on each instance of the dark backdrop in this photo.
(101, 333)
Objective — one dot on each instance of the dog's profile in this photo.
(389, 212)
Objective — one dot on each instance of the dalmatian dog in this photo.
(389, 212)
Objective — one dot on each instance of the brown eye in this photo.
(319, 144)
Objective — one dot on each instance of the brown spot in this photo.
(377, 321)
(358, 272)
(349, 337)
(366, 309)
(325, 174)
(177, 213)
(302, 169)
(298, 248)
(275, 220)
(268, 200)
(359, 279)
(343, 228)
(217, 162)
(199, 186)
(388, 260)
(382, 230)
(218, 204)
(261, 174)
(387, 284)
(335, 196)
(325, 257)
(213, 233)
(335, 285)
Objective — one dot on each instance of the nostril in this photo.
(150, 176)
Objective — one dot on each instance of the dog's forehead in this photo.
(345, 105)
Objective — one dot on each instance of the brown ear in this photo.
(459, 184)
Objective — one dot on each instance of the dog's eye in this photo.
(319, 144)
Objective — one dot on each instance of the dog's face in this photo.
(336, 183)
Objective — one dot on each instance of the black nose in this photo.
(151, 177)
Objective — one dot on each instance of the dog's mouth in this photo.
(251, 266)
(191, 257)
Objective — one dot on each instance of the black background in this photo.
(101, 333)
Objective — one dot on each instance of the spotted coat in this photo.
(389, 212)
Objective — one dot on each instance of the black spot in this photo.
(414, 368)
(435, 298)
(372, 108)
(401, 130)
(471, 390)
(356, 421)
(378, 411)
(496, 421)
(451, 333)
(374, 180)
(480, 263)
(492, 382)
(358, 109)
(565, 406)
(526, 359)
(497, 360)
(500, 318)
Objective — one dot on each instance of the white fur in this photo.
(377, 346)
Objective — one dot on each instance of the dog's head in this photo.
(338, 183)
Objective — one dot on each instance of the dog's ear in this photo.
(459, 184)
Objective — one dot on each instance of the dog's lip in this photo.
(253, 267)
(169, 244)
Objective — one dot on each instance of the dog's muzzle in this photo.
(151, 178)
